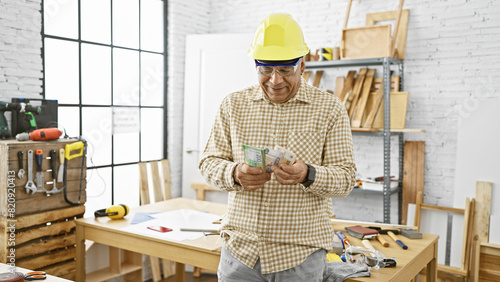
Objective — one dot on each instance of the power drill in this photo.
(41, 134)
(15, 107)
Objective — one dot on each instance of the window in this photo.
(104, 61)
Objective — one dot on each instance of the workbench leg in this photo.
(80, 253)
(180, 272)
(431, 272)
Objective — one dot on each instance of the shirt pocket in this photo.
(307, 146)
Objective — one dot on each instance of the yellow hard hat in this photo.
(278, 38)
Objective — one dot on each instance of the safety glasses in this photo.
(284, 70)
(375, 262)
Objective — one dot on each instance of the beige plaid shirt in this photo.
(281, 224)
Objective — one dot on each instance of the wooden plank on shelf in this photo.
(339, 84)
(366, 42)
(399, 106)
(373, 18)
(374, 108)
(361, 104)
(317, 78)
(347, 85)
(376, 84)
(353, 99)
(413, 174)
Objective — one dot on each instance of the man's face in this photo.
(280, 89)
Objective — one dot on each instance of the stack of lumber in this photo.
(362, 94)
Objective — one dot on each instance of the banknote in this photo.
(273, 157)
(254, 157)
(288, 157)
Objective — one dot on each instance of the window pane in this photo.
(61, 71)
(151, 134)
(98, 190)
(96, 20)
(126, 186)
(151, 79)
(96, 75)
(126, 23)
(126, 148)
(60, 18)
(125, 135)
(125, 77)
(152, 25)
(96, 124)
(69, 119)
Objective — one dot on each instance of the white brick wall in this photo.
(20, 49)
(184, 17)
(451, 61)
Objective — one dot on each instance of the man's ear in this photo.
(302, 66)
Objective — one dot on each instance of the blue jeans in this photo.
(232, 270)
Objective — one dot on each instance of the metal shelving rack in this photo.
(386, 63)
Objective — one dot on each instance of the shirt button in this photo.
(266, 204)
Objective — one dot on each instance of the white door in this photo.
(216, 65)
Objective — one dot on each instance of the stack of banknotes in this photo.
(265, 158)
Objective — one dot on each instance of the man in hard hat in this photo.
(277, 226)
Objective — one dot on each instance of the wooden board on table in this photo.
(413, 174)
(399, 106)
(373, 18)
(351, 100)
(361, 104)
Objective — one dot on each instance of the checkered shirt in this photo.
(281, 224)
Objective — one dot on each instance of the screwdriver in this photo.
(39, 171)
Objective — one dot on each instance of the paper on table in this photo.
(177, 219)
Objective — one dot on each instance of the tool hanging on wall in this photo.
(20, 158)
(30, 185)
(113, 212)
(60, 173)
(72, 151)
(39, 171)
(53, 165)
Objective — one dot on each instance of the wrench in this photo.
(21, 172)
(30, 185)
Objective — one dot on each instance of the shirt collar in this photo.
(301, 95)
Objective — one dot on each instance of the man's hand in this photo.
(250, 178)
(290, 174)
